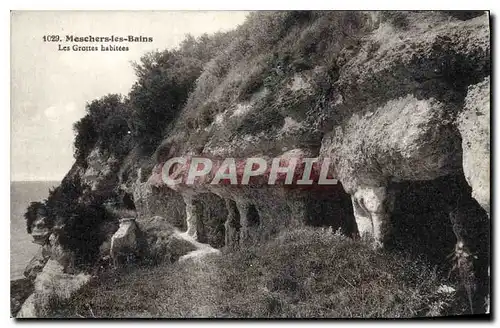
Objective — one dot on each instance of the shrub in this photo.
(32, 212)
(106, 124)
(76, 216)
(85, 138)
(398, 19)
(165, 80)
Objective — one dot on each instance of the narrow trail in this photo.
(204, 276)
(201, 248)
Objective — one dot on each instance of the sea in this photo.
(22, 249)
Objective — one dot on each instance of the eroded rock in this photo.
(35, 266)
(124, 241)
(101, 171)
(160, 242)
(474, 127)
(52, 285)
(405, 139)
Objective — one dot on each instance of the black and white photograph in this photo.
(260, 164)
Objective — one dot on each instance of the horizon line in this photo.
(49, 180)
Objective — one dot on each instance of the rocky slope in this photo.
(397, 100)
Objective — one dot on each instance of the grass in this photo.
(300, 274)
(265, 53)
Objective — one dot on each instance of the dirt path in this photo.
(201, 248)
(204, 277)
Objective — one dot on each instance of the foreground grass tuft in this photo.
(301, 273)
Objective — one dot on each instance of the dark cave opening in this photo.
(253, 216)
(213, 216)
(330, 206)
(421, 224)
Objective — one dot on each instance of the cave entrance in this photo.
(421, 224)
(213, 216)
(330, 206)
(253, 216)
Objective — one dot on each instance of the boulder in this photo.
(474, 127)
(406, 139)
(124, 240)
(160, 242)
(51, 286)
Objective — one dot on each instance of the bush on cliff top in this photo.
(107, 124)
(302, 273)
(164, 80)
(34, 210)
(205, 75)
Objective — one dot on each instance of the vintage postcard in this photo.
(263, 164)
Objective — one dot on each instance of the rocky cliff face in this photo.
(398, 101)
(401, 104)
(387, 111)
(474, 127)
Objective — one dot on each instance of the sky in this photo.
(49, 88)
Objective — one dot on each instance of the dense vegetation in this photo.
(264, 55)
(164, 80)
(75, 216)
(115, 125)
(302, 273)
(189, 80)
(107, 123)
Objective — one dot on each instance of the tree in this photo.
(107, 124)
(85, 138)
(164, 82)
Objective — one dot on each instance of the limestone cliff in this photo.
(399, 102)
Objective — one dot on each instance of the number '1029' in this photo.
(51, 38)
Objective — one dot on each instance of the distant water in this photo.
(21, 247)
